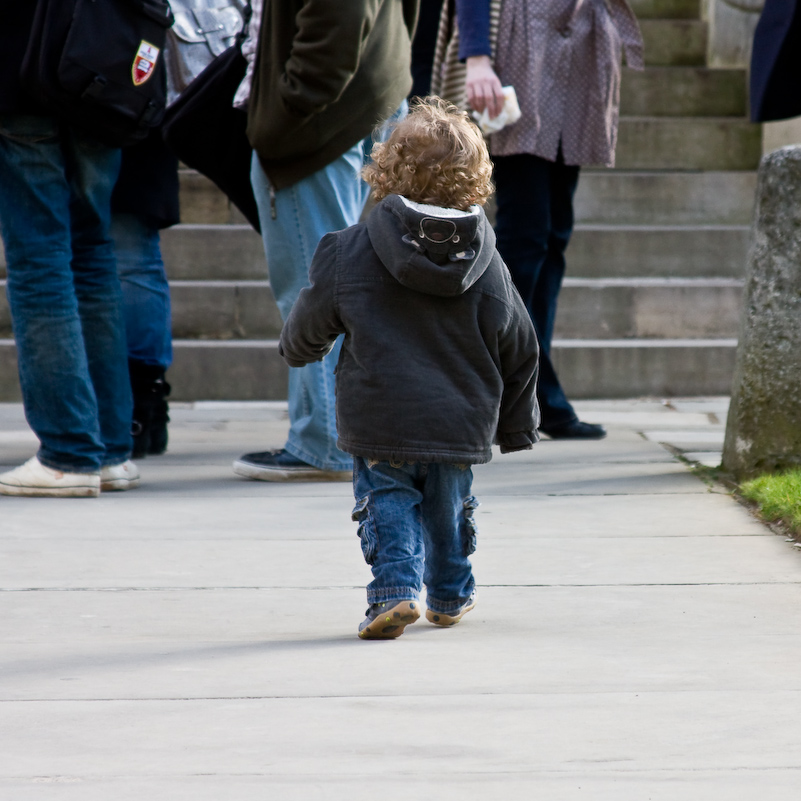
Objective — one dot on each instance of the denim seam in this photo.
(446, 607)
(386, 594)
(66, 468)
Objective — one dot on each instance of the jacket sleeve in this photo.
(313, 324)
(519, 351)
(325, 52)
(473, 18)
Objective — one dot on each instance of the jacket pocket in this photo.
(366, 533)
(469, 528)
(29, 129)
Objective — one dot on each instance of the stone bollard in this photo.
(763, 430)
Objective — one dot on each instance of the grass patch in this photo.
(778, 498)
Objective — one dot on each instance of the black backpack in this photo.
(99, 65)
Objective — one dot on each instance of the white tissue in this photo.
(509, 113)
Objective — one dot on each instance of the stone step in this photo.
(665, 198)
(207, 310)
(201, 370)
(618, 368)
(234, 370)
(206, 250)
(656, 308)
(234, 253)
(588, 308)
(688, 143)
(626, 368)
(676, 251)
(596, 251)
(219, 310)
(5, 312)
(674, 42)
(219, 252)
(600, 308)
(683, 92)
(609, 263)
(203, 202)
(710, 187)
(666, 9)
(223, 310)
(722, 193)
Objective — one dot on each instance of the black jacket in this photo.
(16, 20)
(776, 62)
(440, 356)
(148, 182)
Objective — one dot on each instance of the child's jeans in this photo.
(416, 526)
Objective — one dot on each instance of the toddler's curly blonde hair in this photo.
(435, 155)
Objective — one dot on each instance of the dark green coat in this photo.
(326, 74)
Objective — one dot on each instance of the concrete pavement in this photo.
(636, 634)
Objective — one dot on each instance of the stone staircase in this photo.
(652, 298)
(651, 303)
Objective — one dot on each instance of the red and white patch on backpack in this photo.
(145, 62)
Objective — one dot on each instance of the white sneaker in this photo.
(34, 479)
(123, 476)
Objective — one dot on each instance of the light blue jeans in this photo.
(63, 290)
(293, 221)
(145, 289)
(416, 527)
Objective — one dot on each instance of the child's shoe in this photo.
(443, 619)
(385, 621)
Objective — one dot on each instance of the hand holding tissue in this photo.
(509, 114)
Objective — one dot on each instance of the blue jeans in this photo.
(63, 290)
(293, 221)
(145, 290)
(534, 222)
(329, 200)
(416, 526)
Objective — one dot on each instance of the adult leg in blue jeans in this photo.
(534, 222)
(148, 326)
(293, 221)
(65, 305)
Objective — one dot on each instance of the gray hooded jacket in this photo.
(440, 356)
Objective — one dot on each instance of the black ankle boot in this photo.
(150, 410)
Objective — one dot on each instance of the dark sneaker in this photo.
(283, 466)
(575, 430)
(445, 619)
(386, 621)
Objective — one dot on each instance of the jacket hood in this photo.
(431, 249)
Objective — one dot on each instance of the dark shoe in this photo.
(575, 430)
(443, 619)
(386, 621)
(283, 466)
(158, 422)
(150, 410)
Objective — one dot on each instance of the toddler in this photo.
(439, 360)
